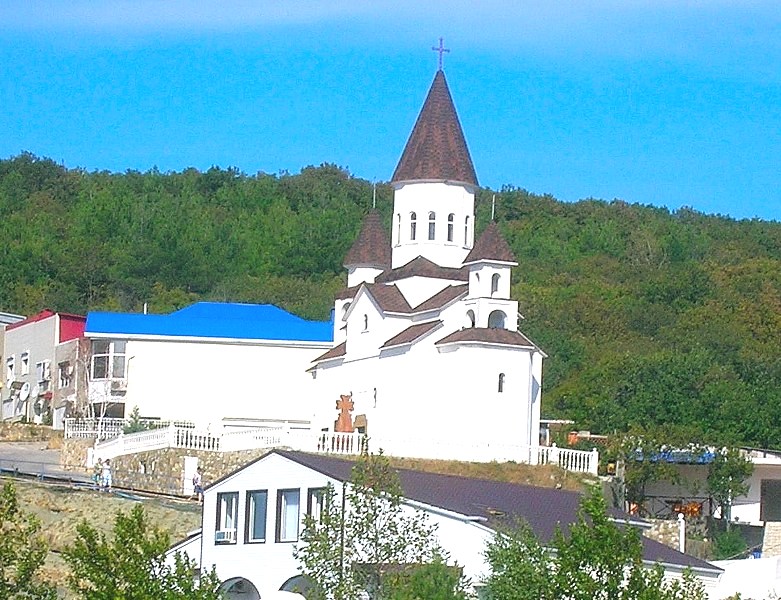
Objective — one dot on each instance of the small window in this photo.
(496, 320)
(366, 322)
(450, 218)
(345, 308)
(466, 231)
(494, 284)
(501, 382)
(288, 507)
(25, 363)
(432, 225)
(470, 314)
(43, 371)
(255, 522)
(9, 368)
(398, 228)
(64, 374)
(227, 516)
(413, 225)
(315, 503)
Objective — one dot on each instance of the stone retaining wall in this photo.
(73, 453)
(25, 432)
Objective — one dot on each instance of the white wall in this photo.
(206, 382)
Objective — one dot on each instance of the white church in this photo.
(425, 356)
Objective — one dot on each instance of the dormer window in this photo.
(494, 284)
(450, 219)
(413, 225)
(432, 225)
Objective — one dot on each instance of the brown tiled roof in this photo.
(423, 267)
(491, 246)
(442, 298)
(334, 352)
(498, 503)
(372, 247)
(502, 337)
(389, 298)
(347, 292)
(412, 333)
(436, 148)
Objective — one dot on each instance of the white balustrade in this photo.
(342, 444)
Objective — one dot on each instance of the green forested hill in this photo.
(649, 318)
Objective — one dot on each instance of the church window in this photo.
(288, 507)
(398, 228)
(494, 284)
(366, 322)
(466, 231)
(412, 225)
(432, 225)
(501, 382)
(496, 320)
(470, 314)
(450, 218)
(345, 308)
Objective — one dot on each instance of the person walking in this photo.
(97, 474)
(198, 485)
(105, 479)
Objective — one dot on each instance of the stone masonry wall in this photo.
(163, 470)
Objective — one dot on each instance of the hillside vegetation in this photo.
(649, 318)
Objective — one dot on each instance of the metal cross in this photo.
(441, 51)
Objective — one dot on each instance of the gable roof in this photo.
(442, 298)
(491, 246)
(423, 267)
(502, 337)
(411, 334)
(335, 352)
(436, 148)
(389, 298)
(371, 247)
(492, 502)
(218, 320)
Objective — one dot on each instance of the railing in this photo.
(98, 428)
(345, 444)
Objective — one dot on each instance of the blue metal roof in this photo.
(214, 320)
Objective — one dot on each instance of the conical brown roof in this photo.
(372, 247)
(436, 148)
(491, 246)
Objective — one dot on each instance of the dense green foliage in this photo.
(132, 566)
(648, 317)
(22, 552)
(595, 560)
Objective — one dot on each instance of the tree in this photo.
(132, 566)
(597, 560)
(727, 476)
(366, 539)
(22, 551)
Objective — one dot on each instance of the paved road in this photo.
(34, 458)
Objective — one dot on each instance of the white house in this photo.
(252, 520)
(426, 342)
(209, 363)
(40, 354)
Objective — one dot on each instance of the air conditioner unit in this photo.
(225, 535)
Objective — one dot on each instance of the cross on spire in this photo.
(441, 49)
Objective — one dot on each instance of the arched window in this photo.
(398, 228)
(494, 283)
(432, 225)
(470, 314)
(496, 320)
(501, 382)
(466, 231)
(366, 322)
(450, 218)
(345, 308)
(413, 225)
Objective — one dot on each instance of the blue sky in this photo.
(665, 102)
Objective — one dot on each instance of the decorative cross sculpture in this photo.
(344, 424)
(441, 49)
